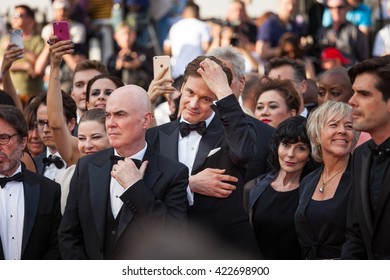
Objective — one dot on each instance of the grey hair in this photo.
(319, 118)
(229, 53)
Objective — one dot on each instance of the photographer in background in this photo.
(226, 35)
(131, 63)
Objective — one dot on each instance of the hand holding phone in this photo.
(61, 30)
(160, 62)
(16, 37)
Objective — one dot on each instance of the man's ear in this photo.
(303, 87)
(147, 120)
(71, 124)
(242, 84)
(24, 143)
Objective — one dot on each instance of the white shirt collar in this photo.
(139, 155)
(208, 120)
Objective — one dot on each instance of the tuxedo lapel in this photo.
(39, 162)
(152, 173)
(31, 202)
(364, 171)
(99, 184)
(210, 138)
(169, 141)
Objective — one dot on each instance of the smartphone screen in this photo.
(16, 37)
(161, 62)
(61, 30)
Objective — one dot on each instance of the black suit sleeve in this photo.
(71, 241)
(353, 247)
(239, 130)
(53, 252)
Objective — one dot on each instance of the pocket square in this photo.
(213, 151)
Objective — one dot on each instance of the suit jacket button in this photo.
(113, 232)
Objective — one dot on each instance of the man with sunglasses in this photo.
(24, 72)
(343, 34)
(29, 203)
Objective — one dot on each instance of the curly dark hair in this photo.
(290, 131)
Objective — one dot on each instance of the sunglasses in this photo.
(19, 15)
(337, 8)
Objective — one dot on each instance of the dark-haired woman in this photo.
(274, 197)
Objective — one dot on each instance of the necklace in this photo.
(324, 182)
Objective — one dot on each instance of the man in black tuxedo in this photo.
(114, 210)
(368, 227)
(49, 161)
(216, 140)
(236, 63)
(31, 203)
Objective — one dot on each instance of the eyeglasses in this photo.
(19, 15)
(40, 124)
(4, 138)
(337, 8)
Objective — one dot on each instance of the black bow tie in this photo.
(186, 128)
(18, 177)
(53, 159)
(115, 159)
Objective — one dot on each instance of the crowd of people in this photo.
(250, 149)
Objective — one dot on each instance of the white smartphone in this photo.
(16, 37)
(161, 62)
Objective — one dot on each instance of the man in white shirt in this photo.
(187, 39)
(49, 162)
(29, 203)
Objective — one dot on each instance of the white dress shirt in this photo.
(51, 170)
(188, 148)
(12, 218)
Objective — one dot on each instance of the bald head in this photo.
(128, 115)
(132, 96)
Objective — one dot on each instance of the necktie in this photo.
(53, 159)
(18, 177)
(186, 128)
(115, 159)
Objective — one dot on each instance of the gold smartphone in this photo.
(161, 62)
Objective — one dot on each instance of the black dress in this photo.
(273, 222)
(321, 225)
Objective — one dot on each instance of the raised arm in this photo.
(65, 142)
(11, 54)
